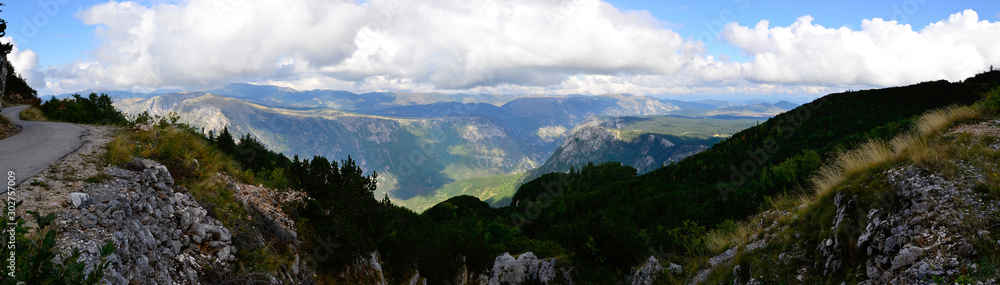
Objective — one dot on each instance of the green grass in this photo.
(458, 150)
(694, 127)
(194, 164)
(495, 190)
(459, 171)
(100, 178)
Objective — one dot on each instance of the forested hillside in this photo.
(601, 220)
(610, 218)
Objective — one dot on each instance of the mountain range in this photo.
(430, 147)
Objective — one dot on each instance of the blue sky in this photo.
(667, 48)
(696, 17)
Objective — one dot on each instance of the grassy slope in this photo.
(860, 172)
(693, 127)
(495, 190)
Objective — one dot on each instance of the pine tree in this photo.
(4, 48)
(225, 142)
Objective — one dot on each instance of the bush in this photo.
(33, 113)
(992, 103)
(93, 109)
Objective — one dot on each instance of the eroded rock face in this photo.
(526, 268)
(161, 234)
(830, 248)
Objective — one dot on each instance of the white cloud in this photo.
(381, 44)
(25, 62)
(881, 53)
(500, 46)
(205, 42)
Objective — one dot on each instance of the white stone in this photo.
(78, 199)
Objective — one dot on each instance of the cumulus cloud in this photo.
(25, 62)
(205, 42)
(499, 46)
(444, 44)
(881, 53)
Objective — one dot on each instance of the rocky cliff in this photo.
(161, 234)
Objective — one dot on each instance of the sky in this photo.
(682, 49)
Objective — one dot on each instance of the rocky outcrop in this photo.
(830, 248)
(525, 269)
(646, 274)
(161, 234)
(922, 240)
(915, 233)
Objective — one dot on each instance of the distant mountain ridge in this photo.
(644, 143)
(421, 142)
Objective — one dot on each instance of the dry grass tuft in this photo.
(938, 120)
(912, 145)
(719, 240)
(849, 162)
(33, 113)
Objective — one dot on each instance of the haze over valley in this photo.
(422, 143)
(500, 142)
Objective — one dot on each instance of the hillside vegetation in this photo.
(610, 218)
(703, 213)
(341, 209)
(645, 143)
(494, 190)
(918, 208)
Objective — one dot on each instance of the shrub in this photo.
(33, 113)
(93, 109)
(992, 103)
